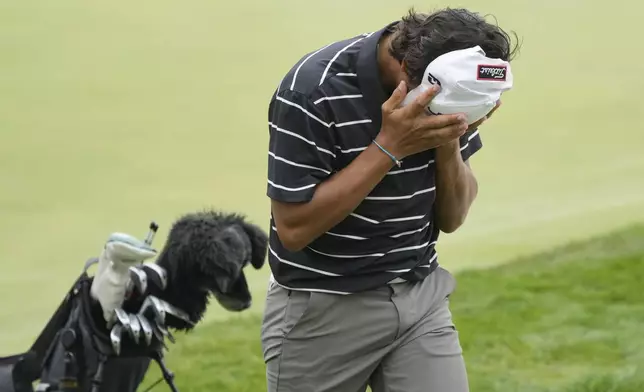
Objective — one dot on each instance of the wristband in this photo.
(393, 158)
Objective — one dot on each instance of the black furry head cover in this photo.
(205, 253)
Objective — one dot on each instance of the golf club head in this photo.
(164, 331)
(122, 317)
(157, 275)
(138, 280)
(146, 328)
(171, 310)
(115, 338)
(171, 337)
(135, 328)
(157, 333)
(153, 310)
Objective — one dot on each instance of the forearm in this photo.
(456, 187)
(334, 199)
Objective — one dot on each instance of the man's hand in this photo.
(409, 130)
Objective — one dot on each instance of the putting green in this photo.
(116, 113)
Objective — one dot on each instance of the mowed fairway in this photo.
(116, 113)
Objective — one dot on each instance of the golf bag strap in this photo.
(44, 341)
(43, 345)
(55, 323)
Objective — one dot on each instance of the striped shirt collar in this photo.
(369, 75)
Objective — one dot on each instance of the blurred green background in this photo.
(115, 113)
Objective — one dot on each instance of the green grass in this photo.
(569, 320)
(113, 113)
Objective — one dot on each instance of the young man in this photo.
(360, 189)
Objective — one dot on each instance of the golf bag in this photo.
(73, 352)
(79, 351)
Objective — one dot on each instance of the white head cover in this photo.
(470, 83)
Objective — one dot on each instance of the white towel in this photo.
(470, 83)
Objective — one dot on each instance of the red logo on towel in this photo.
(492, 72)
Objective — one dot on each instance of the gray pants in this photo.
(399, 338)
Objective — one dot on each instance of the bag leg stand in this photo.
(167, 374)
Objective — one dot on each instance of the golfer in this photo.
(360, 189)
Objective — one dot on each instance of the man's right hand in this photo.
(411, 129)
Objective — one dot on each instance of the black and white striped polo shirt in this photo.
(325, 112)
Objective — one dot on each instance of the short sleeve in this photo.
(470, 143)
(301, 147)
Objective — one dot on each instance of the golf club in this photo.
(135, 328)
(158, 275)
(115, 337)
(153, 310)
(153, 230)
(171, 310)
(138, 280)
(146, 328)
(164, 331)
(122, 317)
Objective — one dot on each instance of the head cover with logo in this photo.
(470, 83)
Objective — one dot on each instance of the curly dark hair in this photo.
(420, 38)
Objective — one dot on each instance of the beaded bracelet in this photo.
(393, 158)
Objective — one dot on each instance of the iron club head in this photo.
(115, 337)
(164, 331)
(135, 328)
(153, 309)
(138, 280)
(158, 274)
(122, 317)
(157, 333)
(171, 310)
(146, 328)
